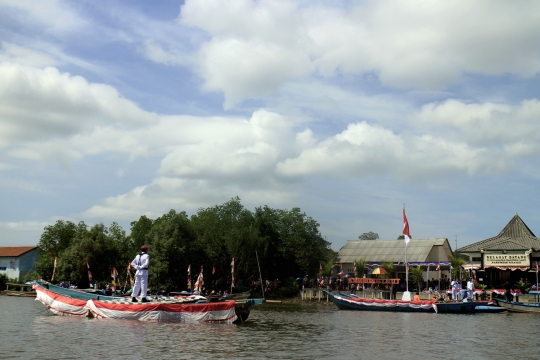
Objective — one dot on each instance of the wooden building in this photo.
(509, 256)
(421, 252)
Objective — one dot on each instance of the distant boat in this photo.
(21, 290)
(62, 301)
(353, 302)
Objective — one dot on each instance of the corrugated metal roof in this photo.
(15, 250)
(515, 236)
(388, 250)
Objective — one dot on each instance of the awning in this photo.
(469, 266)
(513, 268)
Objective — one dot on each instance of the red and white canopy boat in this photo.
(62, 301)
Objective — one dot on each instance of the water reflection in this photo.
(272, 332)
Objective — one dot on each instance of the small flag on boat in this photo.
(131, 282)
(89, 274)
(232, 273)
(406, 231)
(54, 269)
(114, 275)
(189, 277)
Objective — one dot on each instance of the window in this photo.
(3, 268)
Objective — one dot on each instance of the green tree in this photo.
(389, 267)
(417, 275)
(173, 247)
(361, 267)
(369, 236)
(456, 262)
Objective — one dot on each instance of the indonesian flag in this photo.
(213, 270)
(355, 275)
(320, 269)
(438, 266)
(537, 266)
(89, 274)
(54, 269)
(232, 273)
(406, 231)
(428, 268)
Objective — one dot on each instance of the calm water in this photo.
(272, 332)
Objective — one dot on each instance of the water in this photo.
(272, 332)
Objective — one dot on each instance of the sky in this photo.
(349, 110)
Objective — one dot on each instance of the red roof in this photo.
(15, 250)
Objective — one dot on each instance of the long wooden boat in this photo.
(353, 302)
(62, 301)
(21, 290)
(514, 306)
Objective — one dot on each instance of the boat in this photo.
(516, 306)
(192, 308)
(354, 302)
(22, 290)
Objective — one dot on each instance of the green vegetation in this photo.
(361, 267)
(417, 276)
(456, 262)
(369, 236)
(389, 267)
(287, 242)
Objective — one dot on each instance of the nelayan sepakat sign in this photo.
(506, 259)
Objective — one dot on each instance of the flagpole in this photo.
(260, 274)
(407, 235)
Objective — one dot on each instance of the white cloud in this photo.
(55, 16)
(43, 104)
(256, 47)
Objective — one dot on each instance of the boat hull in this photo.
(519, 307)
(63, 301)
(344, 302)
(353, 302)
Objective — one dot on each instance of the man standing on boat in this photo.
(140, 263)
(470, 288)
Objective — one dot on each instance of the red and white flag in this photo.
(537, 266)
(406, 232)
(438, 266)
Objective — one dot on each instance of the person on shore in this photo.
(140, 263)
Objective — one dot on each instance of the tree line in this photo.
(287, 243)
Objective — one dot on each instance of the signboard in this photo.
(493, 260)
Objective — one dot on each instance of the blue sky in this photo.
(114, 109)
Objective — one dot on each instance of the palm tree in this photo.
(417, 275)
(389, 267)
(456, 262)
(361, 267)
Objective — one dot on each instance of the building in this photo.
(507, 257)
(431, 252)
(17, 261)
